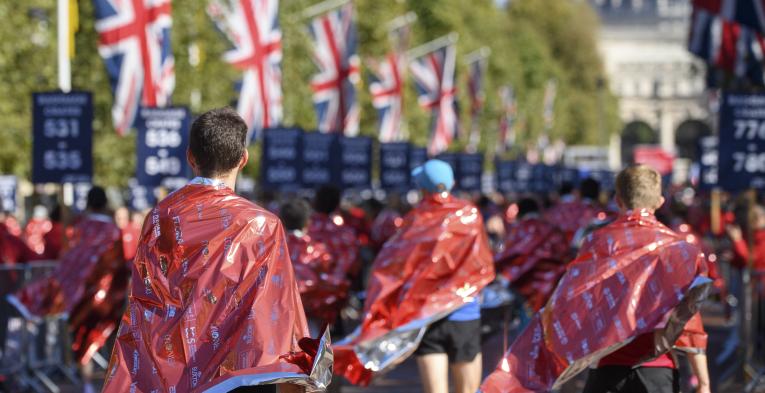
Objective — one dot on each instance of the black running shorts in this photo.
(460, 340)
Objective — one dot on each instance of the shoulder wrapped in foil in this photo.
(323, 292)
(532, 259)
(569, 216)
(339, 240)
(631, 277)
(12, 249)
(385, 225)
(439, 260)
(89, 285)
(213, 302)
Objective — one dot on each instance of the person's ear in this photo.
(661, 202)
(619, 202)
(192, 162)
(244, 160)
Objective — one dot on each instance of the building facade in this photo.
(660, 85)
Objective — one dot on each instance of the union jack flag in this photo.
(476, 70)
(506, 135)
(134, 41)
(252, 26)
(334, 87)
(387, 97)
(750, 13)
(434, 79)
(728, 45)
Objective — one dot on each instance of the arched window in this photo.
(687, 138)
(636, 133)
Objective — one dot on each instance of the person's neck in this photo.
(625, 210)
(229, 179)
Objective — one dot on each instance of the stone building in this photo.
(660, 85)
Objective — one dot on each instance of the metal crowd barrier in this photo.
(754, 360)
(33, 353)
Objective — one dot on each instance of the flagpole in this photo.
(324, 6)
(477, 55)
(401, 21)
(430, 46)
(64, 65)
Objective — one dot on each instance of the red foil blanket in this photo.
(34, 233)
(438, 260)
(532, 259)
(339, 240)
(631, 277)
(213, 302)
(385, 225)
(713, 272)
(323, 294)
(570, 216)
(12, 249)
(89, 285)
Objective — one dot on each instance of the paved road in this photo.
(404, 379)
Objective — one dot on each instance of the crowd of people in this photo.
(209, 291)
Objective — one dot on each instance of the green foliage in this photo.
(532, 41)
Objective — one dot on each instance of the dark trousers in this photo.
(624, 379)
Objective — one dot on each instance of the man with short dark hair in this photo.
(214, 305)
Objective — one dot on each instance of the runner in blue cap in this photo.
(455, 341)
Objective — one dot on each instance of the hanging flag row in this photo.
(728, 35)
(134, 42)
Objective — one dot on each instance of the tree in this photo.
(532, 42)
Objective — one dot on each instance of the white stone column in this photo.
(615, 152)
(667, 130)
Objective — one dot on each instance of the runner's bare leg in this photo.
(467, 375)
(434, 372)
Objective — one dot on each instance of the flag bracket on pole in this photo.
(478, 54)
(401, 21)
(430, 46)
(324, 6)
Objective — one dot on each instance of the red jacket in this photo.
(741, 250)
(12, 249)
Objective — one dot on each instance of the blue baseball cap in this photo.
(434, 176)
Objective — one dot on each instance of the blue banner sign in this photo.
(504, 171)
(708, 170)
(604, 177)
(321, 153)
(281, 158)
(741, 151)
(81, 191)
(524, 177)
(8, 186)
(469, 171)
(62, 125)
(140, 198)
(355, 162)
(394, 166)
(161, 145)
